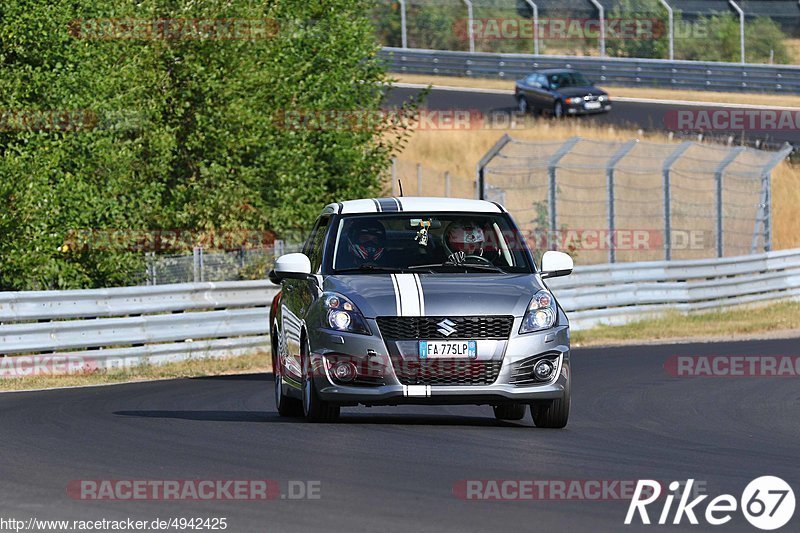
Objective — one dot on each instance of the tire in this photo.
(315, 409)
(553, 413)
(522, 105)
(558, 109)
(510, 411)
(286, 405)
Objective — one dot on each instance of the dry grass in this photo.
(655, 94)
(735, 324)
(794, 49)
(247, 364)
(458, 152)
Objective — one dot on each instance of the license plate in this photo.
(592, 105)
(448, 349)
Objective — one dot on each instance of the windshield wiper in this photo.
(486, 268)
(369, 268)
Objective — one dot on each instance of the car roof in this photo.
(414, 204)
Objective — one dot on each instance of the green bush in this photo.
(179, 133)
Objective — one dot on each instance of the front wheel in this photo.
(315, 409)
(510, 411)
(551, 413)
(522, 105)
(558, 109)
(286, 405)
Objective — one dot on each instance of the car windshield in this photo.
(568, 79)
(417, 242)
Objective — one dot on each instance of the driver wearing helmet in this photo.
(366, 241)
(464, 238)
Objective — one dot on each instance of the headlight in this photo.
(575, 100)
(541, 313)
(342, 315)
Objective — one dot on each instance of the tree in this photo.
(177, 132)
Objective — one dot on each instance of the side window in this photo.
(542, 80)
(316, 243)
(533, 80)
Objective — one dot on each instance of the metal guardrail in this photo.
(104, 328)
(628, 72)
(621, 293)
(112, 328)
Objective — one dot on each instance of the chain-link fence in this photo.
(655, 29)
(608, 201)
(202, 265)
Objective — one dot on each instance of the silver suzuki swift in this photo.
(419, 301)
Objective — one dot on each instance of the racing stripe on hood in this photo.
(408, 295)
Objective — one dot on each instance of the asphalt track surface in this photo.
(635, 115)
(394, 469)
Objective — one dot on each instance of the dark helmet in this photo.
(366, 239)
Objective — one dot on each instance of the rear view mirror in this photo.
(555, 264)
(291, 266)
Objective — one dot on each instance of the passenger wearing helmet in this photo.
(366, 241)
(464, 239)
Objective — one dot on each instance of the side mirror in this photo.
(291, 266)
(555, 264)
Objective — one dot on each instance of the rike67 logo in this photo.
(767, 503)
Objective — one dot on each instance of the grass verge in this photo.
(754, 99)
(247, 364)
(739, 323)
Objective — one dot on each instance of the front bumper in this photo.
(373, 352)
(579, 109)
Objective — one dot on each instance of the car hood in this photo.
(437, 294)
(581, 91)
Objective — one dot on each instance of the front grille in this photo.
(426, 327)
(447, 372)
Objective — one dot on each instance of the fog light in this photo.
(544, 370)
(344, 371)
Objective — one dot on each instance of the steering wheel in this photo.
(480, 259)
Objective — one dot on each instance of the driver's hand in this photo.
(457, 258)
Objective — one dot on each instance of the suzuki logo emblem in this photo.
(446, 327)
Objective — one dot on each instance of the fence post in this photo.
(671, 19)
(196, 264)
(718, 176)
(470, 26)
(552, 166)
(535, 9)
(602, 13)
(480, 189)
(610, 167)
(741, 28)
(765, 208)
(447, 184)
(403, 27)
(394, 176)
(668, 162)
